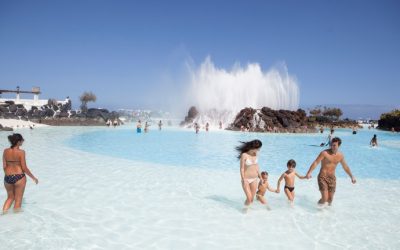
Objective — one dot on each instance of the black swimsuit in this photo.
(13, 178)
(290, 188)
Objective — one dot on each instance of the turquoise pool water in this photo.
(105, 188)
(215, 149)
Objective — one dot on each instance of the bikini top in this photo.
(249, 162)
(13, 163)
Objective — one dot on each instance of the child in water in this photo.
(289, 177)
(263, 186)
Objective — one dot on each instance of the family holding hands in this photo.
(255, 184)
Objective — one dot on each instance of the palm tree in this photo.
(85, 98)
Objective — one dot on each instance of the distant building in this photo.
(28, 103)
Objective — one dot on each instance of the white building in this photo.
(28, 103)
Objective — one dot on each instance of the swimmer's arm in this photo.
(242, 161)
(300, 177)
(279, 183)
(4, 159)
(347, 170)
(258, 172)
(271, 189)
(26, 169)
(315, 164)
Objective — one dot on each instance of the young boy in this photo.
(289, 177)
(263, 186)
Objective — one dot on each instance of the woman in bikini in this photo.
(14, 166)
(249, 169)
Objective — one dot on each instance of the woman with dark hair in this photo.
(14, 166)
(249, 169)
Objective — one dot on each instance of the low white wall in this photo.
(28, 103)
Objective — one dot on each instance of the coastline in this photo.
(19, 124)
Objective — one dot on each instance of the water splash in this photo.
(214, 88)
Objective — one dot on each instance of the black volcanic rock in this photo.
(21, 112)
(104, 114)
(57, 114)
(192, 114)
(268, 120)
(94, 110)
(4, 108)
(13, 108)
(10, 116)
(244, 118)
(47, 113)
(63, 114)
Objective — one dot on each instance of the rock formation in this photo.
(268, 120)
(192, 114)
(57, 114)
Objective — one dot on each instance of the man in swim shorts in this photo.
(329, 159)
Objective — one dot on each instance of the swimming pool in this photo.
(215, 150)
(106, 188)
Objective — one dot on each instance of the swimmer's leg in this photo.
(253, 189)
(261, 199)
(324, 197)
(247, 192)
(330, 197)
(10, 196)
(289, 195)
(19, 189)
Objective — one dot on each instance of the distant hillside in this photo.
(359, 111)
(390, 121)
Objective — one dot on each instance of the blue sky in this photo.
(131, 53)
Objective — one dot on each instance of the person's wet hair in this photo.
(247, 146)
(338, 140)
(264, 173)
(14, 139)
(291, 163)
